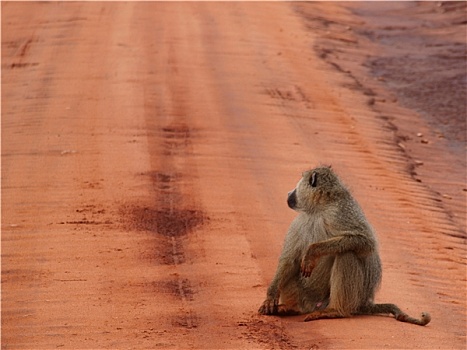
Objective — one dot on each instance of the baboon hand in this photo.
(308, 264)
(269, 307)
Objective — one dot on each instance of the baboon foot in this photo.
(322, 314)
(269, 307)
(283, 310)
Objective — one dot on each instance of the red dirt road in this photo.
(147, 149)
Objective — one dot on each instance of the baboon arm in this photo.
(286, 271)
(357, 243)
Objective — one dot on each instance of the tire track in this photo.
(171, 218)
(176, 212)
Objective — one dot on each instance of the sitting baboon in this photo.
(329, 266)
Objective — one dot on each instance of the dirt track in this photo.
(147, 149)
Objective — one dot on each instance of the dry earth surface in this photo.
(147, 149)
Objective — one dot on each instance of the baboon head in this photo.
(319, 186)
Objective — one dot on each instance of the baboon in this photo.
(329, 266)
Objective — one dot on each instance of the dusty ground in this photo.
(147, 149)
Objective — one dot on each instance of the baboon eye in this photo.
(313, 180)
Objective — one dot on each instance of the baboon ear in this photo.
(313, 179)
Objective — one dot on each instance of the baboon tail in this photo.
(399, 315)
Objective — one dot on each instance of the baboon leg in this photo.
(323, 314)
(347, 284)
(346, 288)
(393, 309)
(289, 299)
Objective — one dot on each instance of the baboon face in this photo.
(315, 187)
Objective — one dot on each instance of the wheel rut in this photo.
(173, 216)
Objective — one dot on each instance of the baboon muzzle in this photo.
(292, 199)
